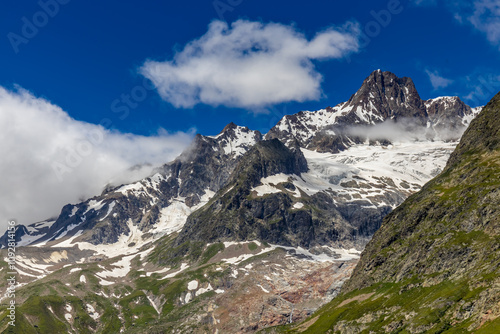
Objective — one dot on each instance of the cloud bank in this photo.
(249, 65)
(50, 159)
(403, 131)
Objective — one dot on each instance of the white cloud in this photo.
(38, 174)
(486, 18)
(437, 80)
(404, 130)
(249, 65)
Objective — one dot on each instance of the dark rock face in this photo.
(268, 158)
(237, 213)
(388, 97)
(20, 231)
(234, 215)
(205, 165)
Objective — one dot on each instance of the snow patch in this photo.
(203, 290)
(193, 285)
(94, 205)
(92, 312)
(184, 266)
(173, 217)
(243, 257)
(188, 297)
(161, 271)
(263, 289)
(122, 267)
(73, 211)
(269, 183)
(341, 254)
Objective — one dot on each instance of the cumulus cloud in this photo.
(49, 159)
(249, 65)
(437, 80)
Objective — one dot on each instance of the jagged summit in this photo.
(236, 213)
(231, 127)
(381, 98)
(236, 140)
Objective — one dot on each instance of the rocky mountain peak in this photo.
(450, 110)
(383, 96)
(230, 127)
(232, 130)
(237, 140)
(233, 210)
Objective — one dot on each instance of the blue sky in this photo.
(153, 73)
(89, 54)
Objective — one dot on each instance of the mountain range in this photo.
(183, 249)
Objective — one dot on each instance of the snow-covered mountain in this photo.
(382, 99)
(354, 153)
(154, 206)
(316, 186)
